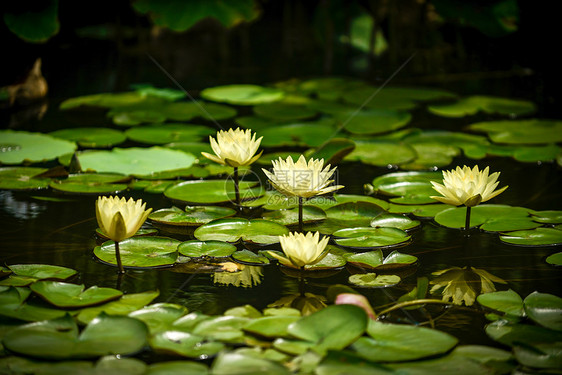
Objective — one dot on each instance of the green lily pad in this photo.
(533, 154)
(368, 237)
(372, 280)
(177, 368)
(112, 100)
(223, 328)
(555, 259)
(290, 217)
(242, 94)
(13, 304)
(91, 183)
(159, 317)
(474, 146)
(333, 151)
(533, 131)
(305, 134)
(18, 146)
(132, 116)
(250, 258)
(67, 295)
(25, 274)
(381, 153)
(283, 111)
(424, 211)
(449, 364)
(22, 178)
(409, 187)
(123, 306)
(229, 363)
(544, 309)
(140, 232)
(91, 137)
(489, 217)
(346, 215)
(140, 252)
(398, 98)
(231, 230)
(547, 217)
(212, 191)
(197, 249)
(135, 161)
(508, 302)
(270, 326)
(489, 104)
(394, 221)
(167, 133)
(194, 148)
(431, 156)
(374, 121)
(398, 342)
(534, 237)
(192, 216)
(59, 338)
(333, 327)
(374, 260)
(184, 344)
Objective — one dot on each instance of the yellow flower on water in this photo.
(234, 147)
(465, 186)
(120, 219)
(301, 250)
(302, 179)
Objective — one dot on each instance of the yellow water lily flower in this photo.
(301, 250)
(120, 219)
(301, 179)
(465, 186)
(234, 147)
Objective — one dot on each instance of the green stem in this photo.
(413, 303)
(118, 258)
(300, 214)
(237, 187)
(467, 222)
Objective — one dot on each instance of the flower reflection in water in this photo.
(238, 275)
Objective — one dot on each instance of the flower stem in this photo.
(467, 222)
(415, 302)
(118, 258)
(237, 187)
(300, 214)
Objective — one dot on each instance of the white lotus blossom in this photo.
(120, 219)
(234, 147)
(301, 250)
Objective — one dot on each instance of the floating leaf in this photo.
(13, 304)
(431, 156)
(167, 133)
(25, 274)
(91, 183)
(235, 363)
(159, 317)
(197, 249)
(283, 111)
(346, 215)
(395, 221)
(178, 368)
(398, 342)
(135, 161)
(547, 217)
(18, 146)
(91, 137)
(184, 344)
(242, 94)
(489, 104)
(35, 23)
(409, 187)
(508, 302)
(374, 260)
(22, 178)
(333, 151)
(192, 216)
(555, 259)
(489, 217)
(290, 217)
(372, 280)
(305, 134)
(140, 252)
(249, 257)
(231, 230)
(212, 191)
(381, 153)
(368, 237)
(71, 295)
(374, 121)
(544, 309)
(534, 237)
(123, 306)
(270, 326)
(533, 131)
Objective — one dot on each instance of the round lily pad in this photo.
(290, 217)
(42, 271)
(381, 153)
(140, 232)
(365, 237)
(283, 111)
(409, 187)
(18, 146)
(71, 295)
(211, 248)
(431, 156)
(374, 260)
(110, 100)
(91, 137)
(242, 94)
(184, 344)
(249, 257)
(91, 183)
(22, 178)
(309, 134)
(555, 259)
(489, 217)
(167, 133)
(474, 146)
(192, 216)
(534, 237)
(489, 104)
(346, 215)
(394, 221)
(231, 230)
(212, 191)
(507, 301)
(547, 217)
(135, 161)
(424, 211)
(374, 121)
(544, 309)
(533, 131)
(178, 111)
(140, 252)
(372, 280)
(123, 306)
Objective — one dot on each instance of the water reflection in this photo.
(20, 209)
(238, 275)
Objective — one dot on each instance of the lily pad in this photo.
(508, 302)
(231, 230)
(192, 216)
(533, 131)
(305, 134)
(250, 258)
(431, 156)
(184, 344)
(123, 306)
(368, 237)
(67, 295)
(394, 221)
(242, 94)
(177, 368)
(111, 100)
(374, 121)
(346, 215)
(283, 111)
(399, 342)
(381, 153)
(372, 280)
(135, 161)
(333, 151)
(229, 363)
(23, 178)
(555, 259)
(13, 304)
(18, 147)
(489, 217)
(140, 252)
(534, 237)
(25, 274)
(489, 104)
(59, 338)
(544, 309)
(91, 183)
(159, 317)
(408, 187)
(474, 146)
(197, 249)
(212, 191)
(547, 217)
(91, 137)
(167, 133)
(374, 260)
(270, 326)
(290, 217)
